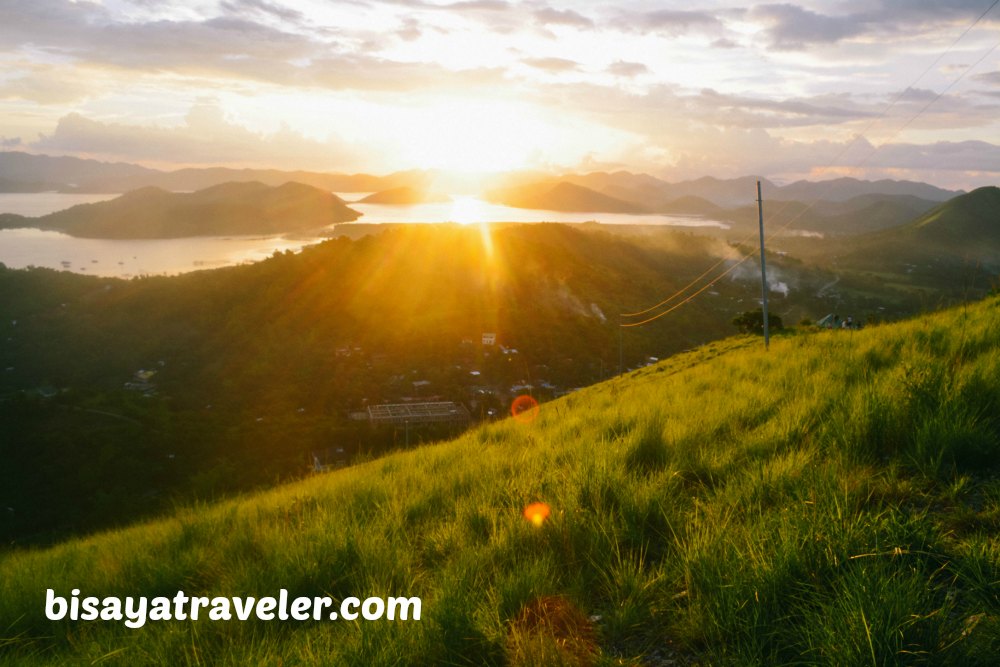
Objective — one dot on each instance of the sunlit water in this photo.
(20, 248)
(472, 209)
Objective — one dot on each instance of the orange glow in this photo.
(524, 409)
(537, 513)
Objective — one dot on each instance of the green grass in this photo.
(834, 501)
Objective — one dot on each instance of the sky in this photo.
(900, 89)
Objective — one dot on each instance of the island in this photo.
(229, 208)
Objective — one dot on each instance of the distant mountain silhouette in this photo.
(404, 195)
(23, 172)
(841, 206)
(624, 192)
(562, 196)
(843, 189)
(230, 208)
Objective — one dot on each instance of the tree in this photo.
(752, 321)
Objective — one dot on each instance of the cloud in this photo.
(87, 32)
(917, 95)
(235, 47)
(46, 84)
(725, 43)
(549, 16)
(991, 78)
(683, 135)
(659, 112)
(410, 31)
(206, 138)
(58, 53)
(262, 7)
(740, 152)
(942, 155)
(552, 64)
(670, 21)
(626, 69)
(774, 113)
(665, 110)
(487, 5)
(353, 72)
(790, 27)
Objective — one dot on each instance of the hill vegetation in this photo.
(974, 215)
(230, 208)
(832, 502)
(960, 235)
(256, 366)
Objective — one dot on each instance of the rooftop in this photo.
(417, 413)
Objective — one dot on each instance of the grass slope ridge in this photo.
(964, 231)
(830, 502)
(230, 208)
(976, 214)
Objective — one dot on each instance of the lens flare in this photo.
(537, 513)
(524, 409)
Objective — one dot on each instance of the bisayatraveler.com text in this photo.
(135, 612)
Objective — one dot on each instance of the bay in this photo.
(21, 248)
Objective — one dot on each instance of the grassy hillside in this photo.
(966, 228)
(833, 501)
(949, 252)
(975, 215)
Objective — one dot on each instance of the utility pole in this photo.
(621, 330)
(763, 266)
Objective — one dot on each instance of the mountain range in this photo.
(627, 192)
(737, 192)
(24, 172)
